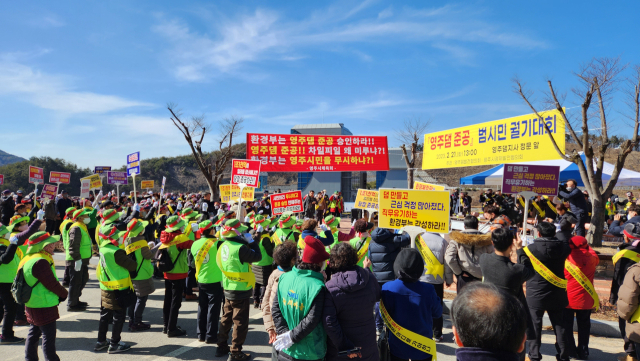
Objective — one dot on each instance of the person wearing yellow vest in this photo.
(12, 251)
(190, 217)
(209, 277)
(42, 308)
(332, 223)
(285, 231)
(234, 258)
(547, 289)
(78, 255)
(362, 239)
(628, 255)
(176, 243)
(299, 305)
(65, 225)
(113, 273)
(263, 268)
(137, 248)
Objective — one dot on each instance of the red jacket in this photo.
(586, 259)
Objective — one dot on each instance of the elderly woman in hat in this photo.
(78, 254)
(263, 268)
(42, 308)
(137, 249)
(285, 231)
(332, 223)
(190, 217)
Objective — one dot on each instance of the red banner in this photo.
(318, 153)
(286, 202)
(36, 175)
(59, 177)
(245, 171)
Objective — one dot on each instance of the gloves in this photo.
(195, 227)
(273, 229)
(247, 219)
(283, 341)
(40, 214)
(259, 229)
(13, 240)
(324, 227)
(136, 207)
(78, 265)
(353, 223)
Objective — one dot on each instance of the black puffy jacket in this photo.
(383, 250)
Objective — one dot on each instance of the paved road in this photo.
(77, 334)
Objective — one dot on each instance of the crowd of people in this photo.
(325, 292)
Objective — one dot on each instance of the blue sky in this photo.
(89, 81)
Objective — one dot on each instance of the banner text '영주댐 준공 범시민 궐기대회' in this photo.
(404, 207)
(518, 139)
(318, 153)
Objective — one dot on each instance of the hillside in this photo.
(6, 158)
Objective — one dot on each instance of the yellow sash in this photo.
(537, 207)
(301, 243)
(179, 239)
(551, 205)
(135, 246)
(434, 267)
(579, 276)
(247, 277)
(626, 253)
(113, 285)
(202, 254)
(544, 271)
(412, 339)
(364, 249)
(521, 200)
(63, 224)
(42, 254)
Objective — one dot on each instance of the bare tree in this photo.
(212, 167)
(600, 78)
(411, 133)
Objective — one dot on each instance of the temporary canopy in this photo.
(568, 171)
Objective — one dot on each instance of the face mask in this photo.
(86, 220)
(23, 213)
(23, 228)
(569, 189)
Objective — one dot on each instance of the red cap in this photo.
(314, 251)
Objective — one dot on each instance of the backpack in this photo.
(163, 260)
(20, 289)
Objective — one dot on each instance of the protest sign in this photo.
(49, 191)
(245, 171)
(59, 177)
(229, 192)
(366, 199)
(1, 179)
(421, 186)
(118, 178)
(133, 164)
(147, 184)
(540, 179)
(36, 175)
(286, 202)
(425, 209)
(318, 153)
(95, 180)
(518, 139)
(101, 170)
(85, 187)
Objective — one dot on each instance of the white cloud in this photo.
(54, 92)
(265, 35)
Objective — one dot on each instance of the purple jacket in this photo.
(348, 317)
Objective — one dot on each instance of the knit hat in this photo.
(286, 220)
(232, 228)
(632, 230)
(174, 223)
(109, 234)
(39, 240)
(135, 227)
(314, 251)
(15, 220)
(79, 213)
(3, 230)
(69, 212)
(331, 221)
(409, 265)
(109, 216)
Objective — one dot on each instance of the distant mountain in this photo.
(6, 158)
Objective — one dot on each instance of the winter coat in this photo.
(576, 199)
(587, 260)
(309, 204)
(464, 251)
(327, 240)
(7, 207)
(347, 313)
(49, 209)
(108, 298)
(616, 228)
(383, 250)
(542, 295)
(628, 301)
(620, 271)
(269, 293)
(438, 246)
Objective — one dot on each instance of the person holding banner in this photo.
(580, 268)
(547, 289)
(78, 256)
(413, 305)
(351, 294)
(113, 273)
(137, 249)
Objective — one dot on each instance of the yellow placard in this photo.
(421, 186)
(229, 192)
(147, 184)
(518, 139)
(366, 199)
(405, 207)
(94, 181)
